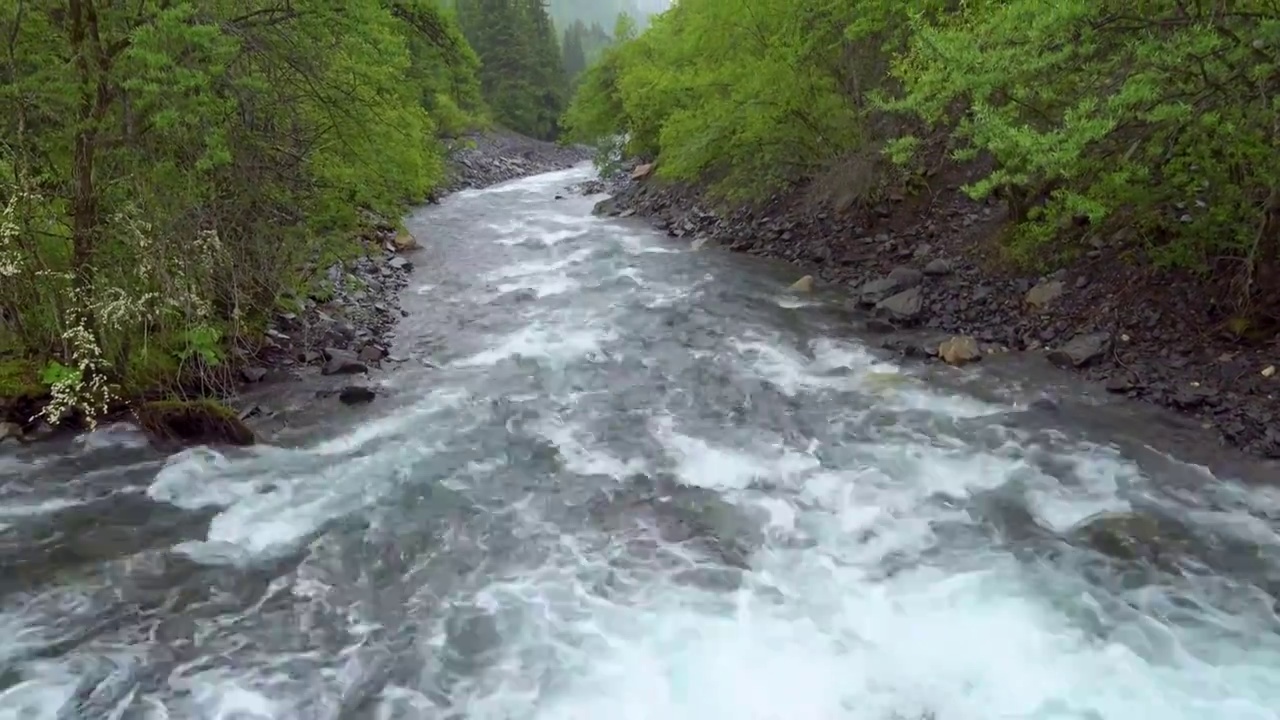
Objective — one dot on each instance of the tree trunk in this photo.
(84, 201)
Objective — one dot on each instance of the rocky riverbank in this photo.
(928, 264)
(342, 332)
(482, 160)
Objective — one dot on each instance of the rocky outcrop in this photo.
(926, 262)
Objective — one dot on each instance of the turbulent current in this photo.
(623, 478)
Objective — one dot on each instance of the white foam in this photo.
(792, 302)
(113, 435)
(577, 458)
(704, 465)
(551, 342)
(541, 237)
(539, 267)
(542, 286)
(278, 497)
(635, 244)
(834, 637)
(794, 374)
(37, 697)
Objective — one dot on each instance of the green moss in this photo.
(20, 377)
(194, 422)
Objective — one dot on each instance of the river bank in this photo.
(930, 262)
(342, 332)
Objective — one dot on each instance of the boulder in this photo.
(902, 307)
(405, 241)
(959, 350)
(898, 279)
(1081, 350)
(342, 362)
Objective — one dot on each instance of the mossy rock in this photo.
(193, 422)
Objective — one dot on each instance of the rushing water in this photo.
(636, 480)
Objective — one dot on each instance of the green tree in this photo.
(575, 55)
(522, 75)
(168, 171)
(1154, 116)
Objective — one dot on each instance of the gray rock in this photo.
(898, 279)
(342, 362)
(937, 267)
(1045, 293)
(876, 290)
(903, 306)
(1081, 350)
(906, 277)
(400, 263)
(371, 353)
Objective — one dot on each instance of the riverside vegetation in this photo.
(175, 174)
(1130, 144)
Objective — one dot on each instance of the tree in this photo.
(170, 169)
(575, 56)
(1158, 117)
(522, 74)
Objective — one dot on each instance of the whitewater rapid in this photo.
(623, 478)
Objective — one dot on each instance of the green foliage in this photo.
(1150, 113)
(203, 343)
(168, 168)
(1153, 114)
(55, 373)
(748, 96)
(522, 75)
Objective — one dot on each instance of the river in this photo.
(621, 477)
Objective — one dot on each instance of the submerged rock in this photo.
(803, 285)
(1134, 537)
(356, 395)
